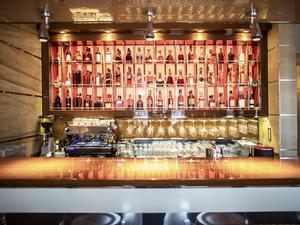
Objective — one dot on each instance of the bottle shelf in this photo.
(122, 75)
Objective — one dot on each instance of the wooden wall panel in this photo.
(23, 36)
(20, 86)
(19, 71)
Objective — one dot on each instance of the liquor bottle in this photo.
(88, 56)
(180, 100)
(128, 56)
(160, 80)
(201, 57)
(57, 59)
(88, 102)
(170, 77)
(211, 102)
(251, 101)
(170, 101)
(242, 77)
(99, 104)
(108, 78)
(231, 75)
(149, 78)
(222, 103)
(78, 100)
(241, 101)
(191, 100)
(98, 79)
(118, 78)
(68, 56)
(201, 77)
(78, 56)
(88, 77)
(78, 77)
(180, 55)
(221, 56)
(190, 78)
(230, 56)
(119, 103)
(180, 80)
(160, 102)
(98, 56)
(160, 57)
(200, 103)
(148, 57)
(139, 77)
(130, 102)
(129, 76)
(211, 56)
(170, 58)
(241, 57)
(118, 57)
(139, 56)
(231, 100)
(108, 56)
(57, 102)
(139, 103)
(68, 81)
(250, 53)
(68, 100)
(191, 54)
(108, 102)
(210, 78)
(149, 100)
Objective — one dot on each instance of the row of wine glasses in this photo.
(192, 128)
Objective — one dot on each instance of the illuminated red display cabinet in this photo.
(155, 75)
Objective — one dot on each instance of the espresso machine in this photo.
(46, 124)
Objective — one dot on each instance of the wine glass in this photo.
(161, 130)
(182, 130)
(140, 130)
(213, 131)
(150, 130)
(233, 130)
(171, 130)
(129, 128)
(203, 131)
(192, 130)
(223, 128)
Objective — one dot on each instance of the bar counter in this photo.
(104, 172)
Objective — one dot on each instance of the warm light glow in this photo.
(108, 31)
(108, 37)
(62, 32)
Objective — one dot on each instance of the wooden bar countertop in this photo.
(104, 172)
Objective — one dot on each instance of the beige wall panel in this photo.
(273, 123)
(288, 97)
(273, 95)
(19, 69)
(21, 36)
(273, 65)
(287, 34)
(287, 57)
(288, 127)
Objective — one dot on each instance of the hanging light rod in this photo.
(254, 26)
(149, 36)
(46, 15)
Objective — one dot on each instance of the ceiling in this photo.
(132, 11)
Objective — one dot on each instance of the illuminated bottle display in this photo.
(165, 74)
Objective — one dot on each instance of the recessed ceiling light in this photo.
(246, 31)
(200, 31)
(62, 31)
(108, 31)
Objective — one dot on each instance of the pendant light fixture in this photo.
(256, 34)
(44, 26)
(149, 36)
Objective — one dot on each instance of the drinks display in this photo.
(181, 74)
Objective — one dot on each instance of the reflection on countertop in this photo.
(84, 172)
